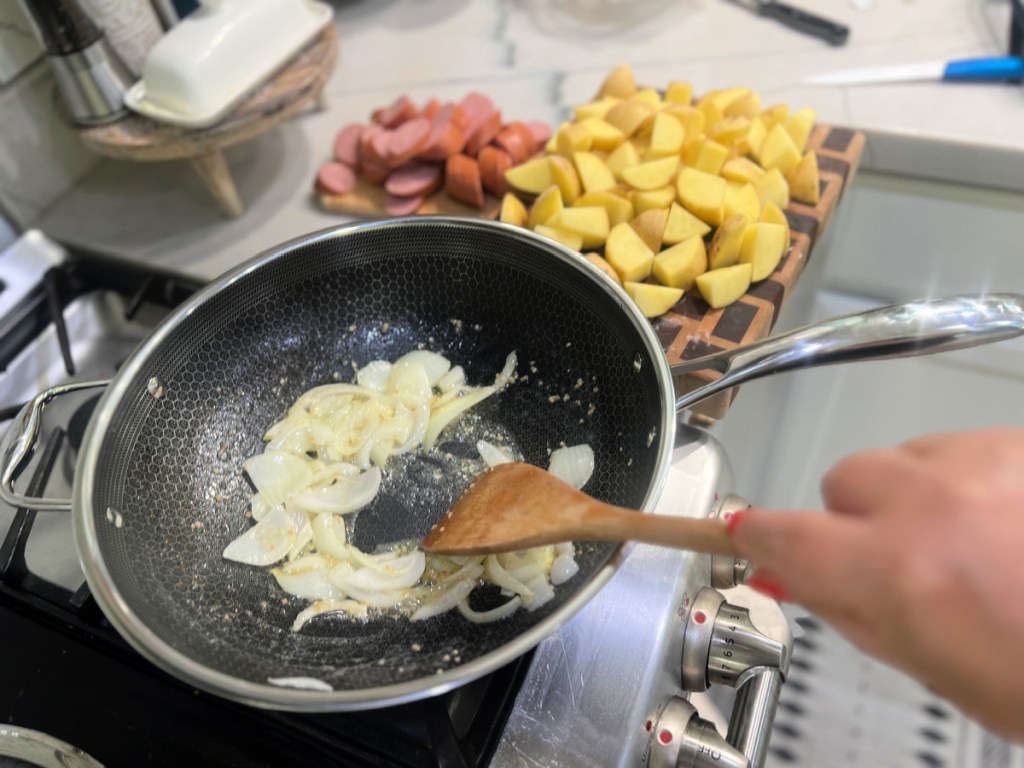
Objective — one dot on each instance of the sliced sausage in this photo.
(346, 144)
(407, 140)
(511, 141)
(462, 180)
(447, 133)
(430, 109)
(493, 164)
(484, 134)
(478, 107)
(415, 179)
(336, 178)
(516, 139)
(402, 206)
(368, 144)
(541, 132)
(374, 172)
(396, 113)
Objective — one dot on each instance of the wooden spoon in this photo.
(516, 506)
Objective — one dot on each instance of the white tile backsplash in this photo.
(41, 157)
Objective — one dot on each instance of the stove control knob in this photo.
(682, 739)
(725, 643)
(727, 571)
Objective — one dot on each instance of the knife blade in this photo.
(988, 69)
(798, 19)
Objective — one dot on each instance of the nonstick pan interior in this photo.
(163, 491)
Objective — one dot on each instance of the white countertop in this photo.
(536, 60)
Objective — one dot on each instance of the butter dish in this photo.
(207, 64)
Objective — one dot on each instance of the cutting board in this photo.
(366, 201)
(691, 328)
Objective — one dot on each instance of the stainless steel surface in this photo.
(901, 330)
(727, 572)
(680, 738)
(753, 715)
(594, 684)
(19, 443)
(40, 749)
(92, 82)
(738, 646)
(22, 266)
(700, 622)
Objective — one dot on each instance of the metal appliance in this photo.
(618, 685)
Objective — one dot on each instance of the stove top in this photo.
(614, 686)
(66, 672)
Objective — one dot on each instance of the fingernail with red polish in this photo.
(769, 587)
(733, 520)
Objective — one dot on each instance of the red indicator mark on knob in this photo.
(700, 617)
(665, 737)
(648, 725)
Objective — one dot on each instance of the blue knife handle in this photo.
(990, 68)
(805, 22)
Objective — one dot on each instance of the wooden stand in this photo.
(138, 138)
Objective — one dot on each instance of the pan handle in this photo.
(900, 330)
(19, 444)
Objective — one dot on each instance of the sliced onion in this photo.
(453, 380)
(265, 543)
(447, 600)
(542, 593)
(483, 617)
(563, 569)
(307, 577)
(573, 465)
(492, 454)
(433, 364)
(302, 683)
(410, 379)
(324, 607)
(303, 532)
(258, 508)
(277, 473)
(508, 373)
(400, 573)
(448, 412)
(329, 535)
(496, 573)
(374, 375)
(348, 494)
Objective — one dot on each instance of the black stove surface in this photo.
(66, 672)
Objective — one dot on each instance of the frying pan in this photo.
(159, 489)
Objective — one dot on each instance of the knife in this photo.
(987, 69)
(798, 19)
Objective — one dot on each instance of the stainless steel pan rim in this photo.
(164, 655)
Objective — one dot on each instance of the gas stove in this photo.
(623, 683)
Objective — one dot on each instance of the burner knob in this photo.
(682, 739)
(725, 643)
(727, 571)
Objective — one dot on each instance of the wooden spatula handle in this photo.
(697, 534)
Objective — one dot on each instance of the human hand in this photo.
(919, 561)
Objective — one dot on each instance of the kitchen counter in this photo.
(536, 60)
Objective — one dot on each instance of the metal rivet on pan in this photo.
(155, 387)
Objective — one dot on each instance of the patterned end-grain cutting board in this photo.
(692, 329)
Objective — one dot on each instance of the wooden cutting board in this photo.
(692, 328)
